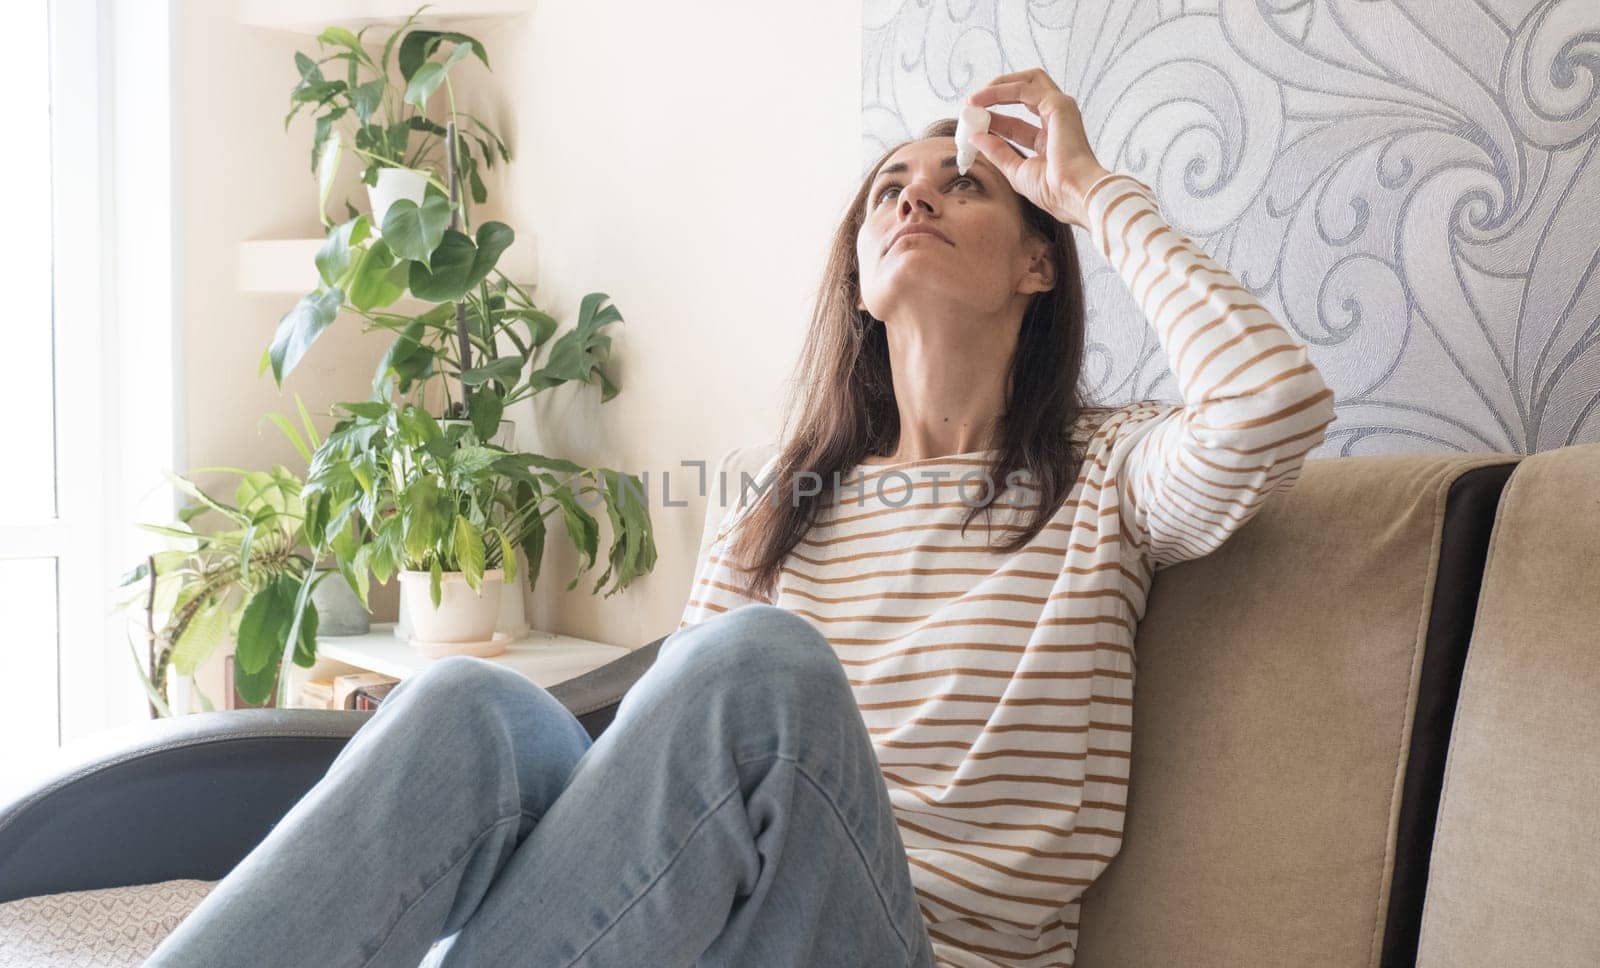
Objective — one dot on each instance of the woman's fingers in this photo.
(1017, 130)
(1028, 88)
(1001, 152)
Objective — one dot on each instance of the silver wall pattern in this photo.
(1413, 188)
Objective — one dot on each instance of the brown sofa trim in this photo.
(1469, 516)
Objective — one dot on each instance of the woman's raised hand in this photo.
(1063, 166)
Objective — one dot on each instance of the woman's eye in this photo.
(959, 178)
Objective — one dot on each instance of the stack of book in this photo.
(358, 690)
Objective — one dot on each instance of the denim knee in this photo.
(760, 642)
(463, 682)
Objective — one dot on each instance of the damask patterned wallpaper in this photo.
(1414, 188)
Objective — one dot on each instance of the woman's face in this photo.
(983, 265)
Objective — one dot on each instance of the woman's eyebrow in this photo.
(901, 166)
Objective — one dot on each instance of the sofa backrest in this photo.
(1515, 874)
(1278, 791)
(1294, 706)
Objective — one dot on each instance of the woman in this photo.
(884, 733)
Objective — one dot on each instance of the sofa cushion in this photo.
(1515, 874)
(107, 928)
(1277, 684)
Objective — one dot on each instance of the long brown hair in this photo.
(841, 400)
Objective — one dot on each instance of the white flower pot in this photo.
(393, 185)
(464, 617)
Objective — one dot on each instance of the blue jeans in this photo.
(733, 814)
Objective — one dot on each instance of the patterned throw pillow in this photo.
(109, 928)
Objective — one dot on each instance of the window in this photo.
(90, 348)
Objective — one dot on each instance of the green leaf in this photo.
(357, 574)
(204, 631)
(423, 83)
(471, 462)
(413, 231)
(485, 409)
(305, 647)
(578, 354)
(581, 526)
(419, 45)
(423, 524)
(327, 166)
(193, 490)
(633, 549)
(292, 435)
(300, 327)
(435, 573)
(370, 410)
(504, 369)
(469, 552)
(333, 259)
(310, 73)
(533, 548)
(459, 264)
(408, 358)
(255, 688)
(508, 556)
(264, 626)
(136, 574)
(377, 279)
(366, 99)
(341, 37)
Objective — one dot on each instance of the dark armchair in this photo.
(189, 796)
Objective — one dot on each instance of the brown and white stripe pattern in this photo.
(997, 688)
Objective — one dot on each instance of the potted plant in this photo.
(238, 577)
(381, 100)
(391, 490)
(477, 347)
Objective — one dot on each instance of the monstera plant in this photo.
(412, 480)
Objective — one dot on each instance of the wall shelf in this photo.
(311, 16)
(545, 657)
(290, 265)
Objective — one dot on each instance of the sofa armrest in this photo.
(189, 796)
(181, 797)
(593, 696)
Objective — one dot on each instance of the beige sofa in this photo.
(1366, 733)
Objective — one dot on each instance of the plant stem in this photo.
(150, 627)
(463, 338)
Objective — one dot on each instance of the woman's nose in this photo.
(918, 195)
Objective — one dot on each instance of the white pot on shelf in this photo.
(464, 621)
(393, 185)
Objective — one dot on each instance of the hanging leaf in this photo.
(469, 552)
(264, 626)
(578, 354)
(300, 327)
(202, 634)
(333, 258)
(377, 279)
(459, 264)
(305, 648)
(419, 45)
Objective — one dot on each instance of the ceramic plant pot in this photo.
(393, 185)
(463, 623)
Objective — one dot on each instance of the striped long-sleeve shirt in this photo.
(997, 688)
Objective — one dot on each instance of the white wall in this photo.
(674, 227)
(678, 226)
